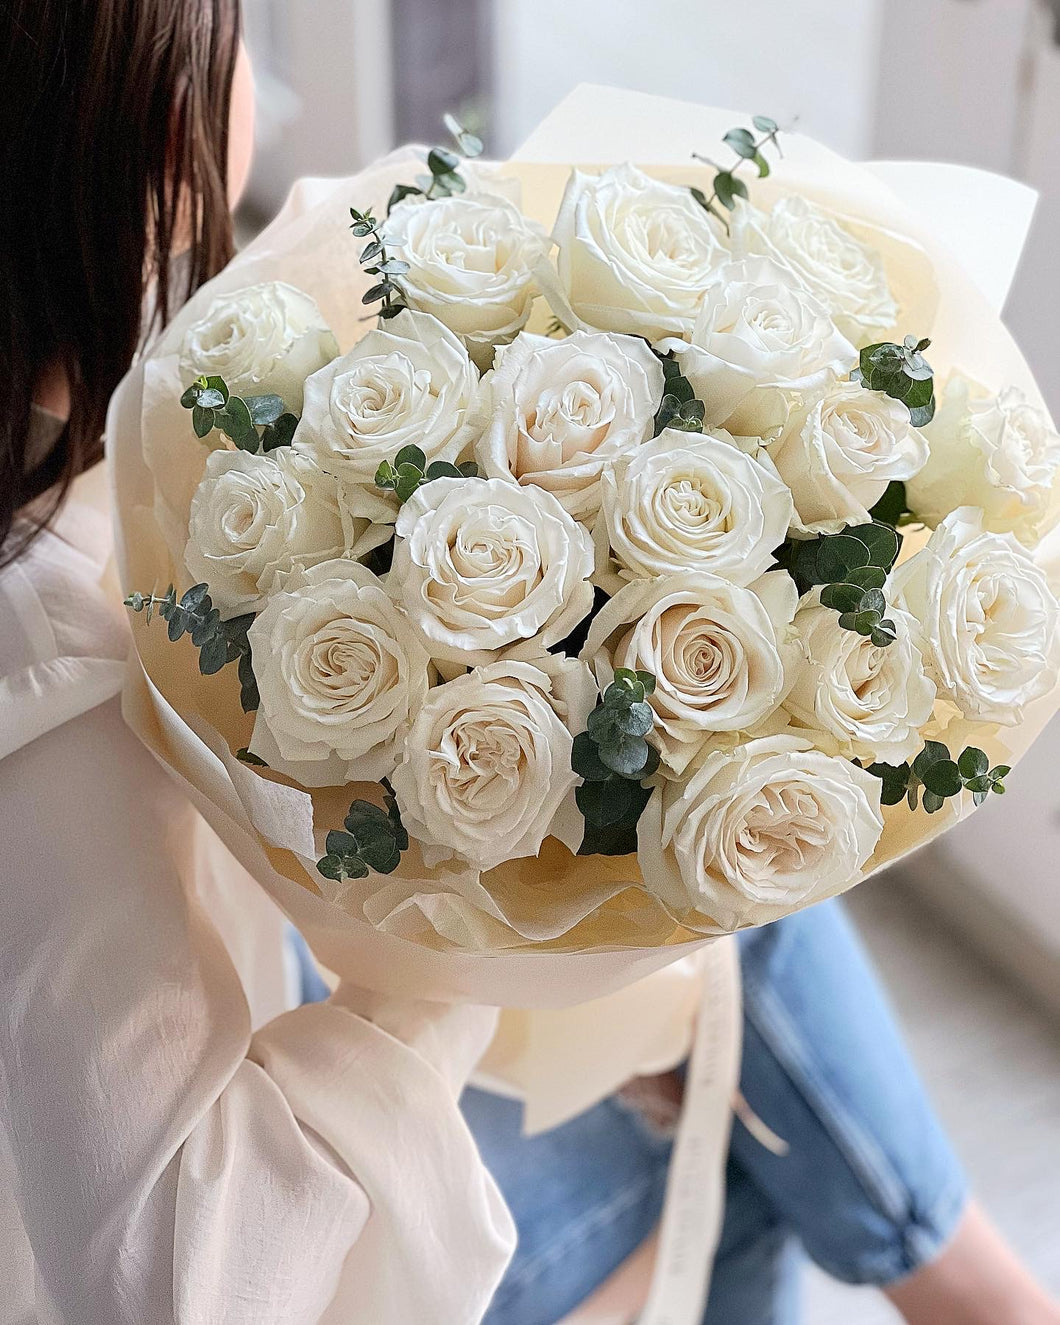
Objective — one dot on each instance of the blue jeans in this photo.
(869, 1188)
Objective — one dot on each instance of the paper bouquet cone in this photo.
(556, 929)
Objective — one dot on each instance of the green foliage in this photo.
(902, 372)
(893, 506)
(370, 839)
(376, 261)
(831, 557)
(728, 186)
(613, 757)
(219, 642)
(679, 407)
(246, 757)
(934, 777)
(852, 568)
(443, 165)
(253, 423)
(410, 471)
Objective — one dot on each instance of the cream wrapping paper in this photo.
(559, 932)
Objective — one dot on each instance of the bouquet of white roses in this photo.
(659, 555)
(608, 588)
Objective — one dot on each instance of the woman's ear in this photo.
(240, 126)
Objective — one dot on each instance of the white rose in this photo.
(340, 674)
(758, 337)
(987, 618)
(408, 383)
(758, 832)
(715, 650)
(866, 702)
(487, 763)
(839, 451)
(690, 500)
(562, 411)
(263, 340)
(635, 254)
(1000, 453)
(847, 276)
(256, 519)
(475, 261)
(482, 564)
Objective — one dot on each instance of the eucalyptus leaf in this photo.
(604, 803)
(264, 409)
(411, 455)
(202, 421)
(440, 161)
(742, 142)
(943, 778)
(280, 433)
(973, 763)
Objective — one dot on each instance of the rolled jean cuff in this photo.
(915, 1244)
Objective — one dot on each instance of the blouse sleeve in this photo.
(173, 1166)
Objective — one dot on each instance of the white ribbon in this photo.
(695, 1186)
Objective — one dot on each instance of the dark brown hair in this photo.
(113, 155)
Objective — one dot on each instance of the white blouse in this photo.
(174, 1145)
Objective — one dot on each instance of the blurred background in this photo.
(968, 933)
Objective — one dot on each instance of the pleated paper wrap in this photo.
(557, 930)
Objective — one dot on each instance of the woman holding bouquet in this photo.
(174, 1145)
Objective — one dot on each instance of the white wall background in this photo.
(791, 61)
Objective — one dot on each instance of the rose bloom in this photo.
(860, 700)
(475, 261)
(839, 451)
(986, 618)
(758, 832)
(487, 764)
(408, 383)
(560, 411)
(1000, 453)
(340, 674)
(482, 564)
(263, 340)
(715, 650)
(635, 254)
(759, 337)
(690, 500)
(845, 275)
(256, 519)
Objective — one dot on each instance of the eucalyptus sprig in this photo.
(613, 757)
(679, 407)
(370, 839)
(443, 164)
(934, 777)
(377, 261)
(851, 567)
(219, 642)
(254, 423)
(410, 470)
(728, 186)
(901, 372)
